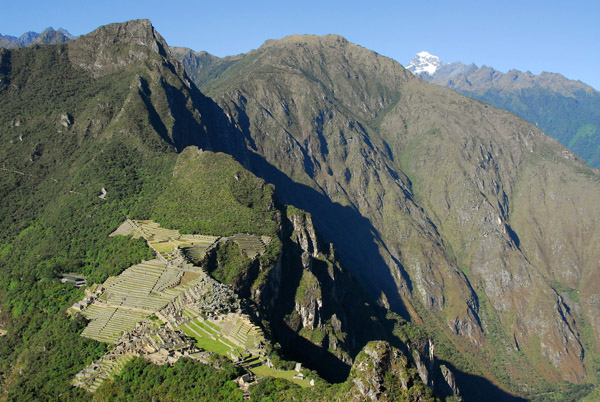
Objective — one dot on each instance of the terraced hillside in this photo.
(200, 307)
(137, 293)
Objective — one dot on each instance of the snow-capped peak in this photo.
(424, 62)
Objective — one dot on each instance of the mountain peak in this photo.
(96, 52)
(424, 62)
(306, 39)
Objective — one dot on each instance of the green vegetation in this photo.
(42, 352)
(308, 288)
(187, 380)
(230, 199)
(231, 265)
(52, 219)
(204, 341)
(264, 371)
(82, 150)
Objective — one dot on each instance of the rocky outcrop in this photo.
(309, 298)
(115, 46)
(382, 373)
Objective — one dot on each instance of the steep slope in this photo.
(109, 126)
(430, 200)
(202, 67)
(102, 115)
(566, 110)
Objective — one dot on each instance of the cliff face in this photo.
(316, 311)
(440, 205)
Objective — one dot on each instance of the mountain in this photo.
(202, 67)
(566, 110)
(424, 62)
(48, 36)
(108, 126)
(449, 210)
(418, 244)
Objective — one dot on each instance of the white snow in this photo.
(424, 62)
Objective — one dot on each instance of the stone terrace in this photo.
(181, 295)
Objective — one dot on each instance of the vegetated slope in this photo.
(108, 111)
(448, 209)
(566, 110)
(202, 67)
(70, 129)
(102, 128)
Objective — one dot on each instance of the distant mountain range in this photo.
(48, 36)
(567, 110)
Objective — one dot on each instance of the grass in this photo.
(163, 247)
(264, 371)
(231, 199)
(205, 342)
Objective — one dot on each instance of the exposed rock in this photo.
(381, 373)
(436, 210)
(138, 41)
(451, 381)
(66, 120)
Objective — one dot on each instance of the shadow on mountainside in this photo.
(474, 388)
(353, 236)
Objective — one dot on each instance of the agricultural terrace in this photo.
(91, 377)
(165, 241)
(182, 296)
(135, 294)
(250, 245)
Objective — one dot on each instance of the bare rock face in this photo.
(382, 373)
(450, 380)
(304, 233)
(118, 45)
(309, 297)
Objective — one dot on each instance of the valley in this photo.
(309, 202)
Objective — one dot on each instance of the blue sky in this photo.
(529, 35)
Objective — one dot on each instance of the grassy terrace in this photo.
(264, 371)
(130, 297)
(204, 341)
(211, 337)
(106, 368)
(250, 245)
(164, 241)
(145, 288)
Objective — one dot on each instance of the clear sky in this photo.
(529, 35)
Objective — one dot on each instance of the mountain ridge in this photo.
(47, 36)
(565, 109)
(378, 110)
(449, 210)
(106, 128)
